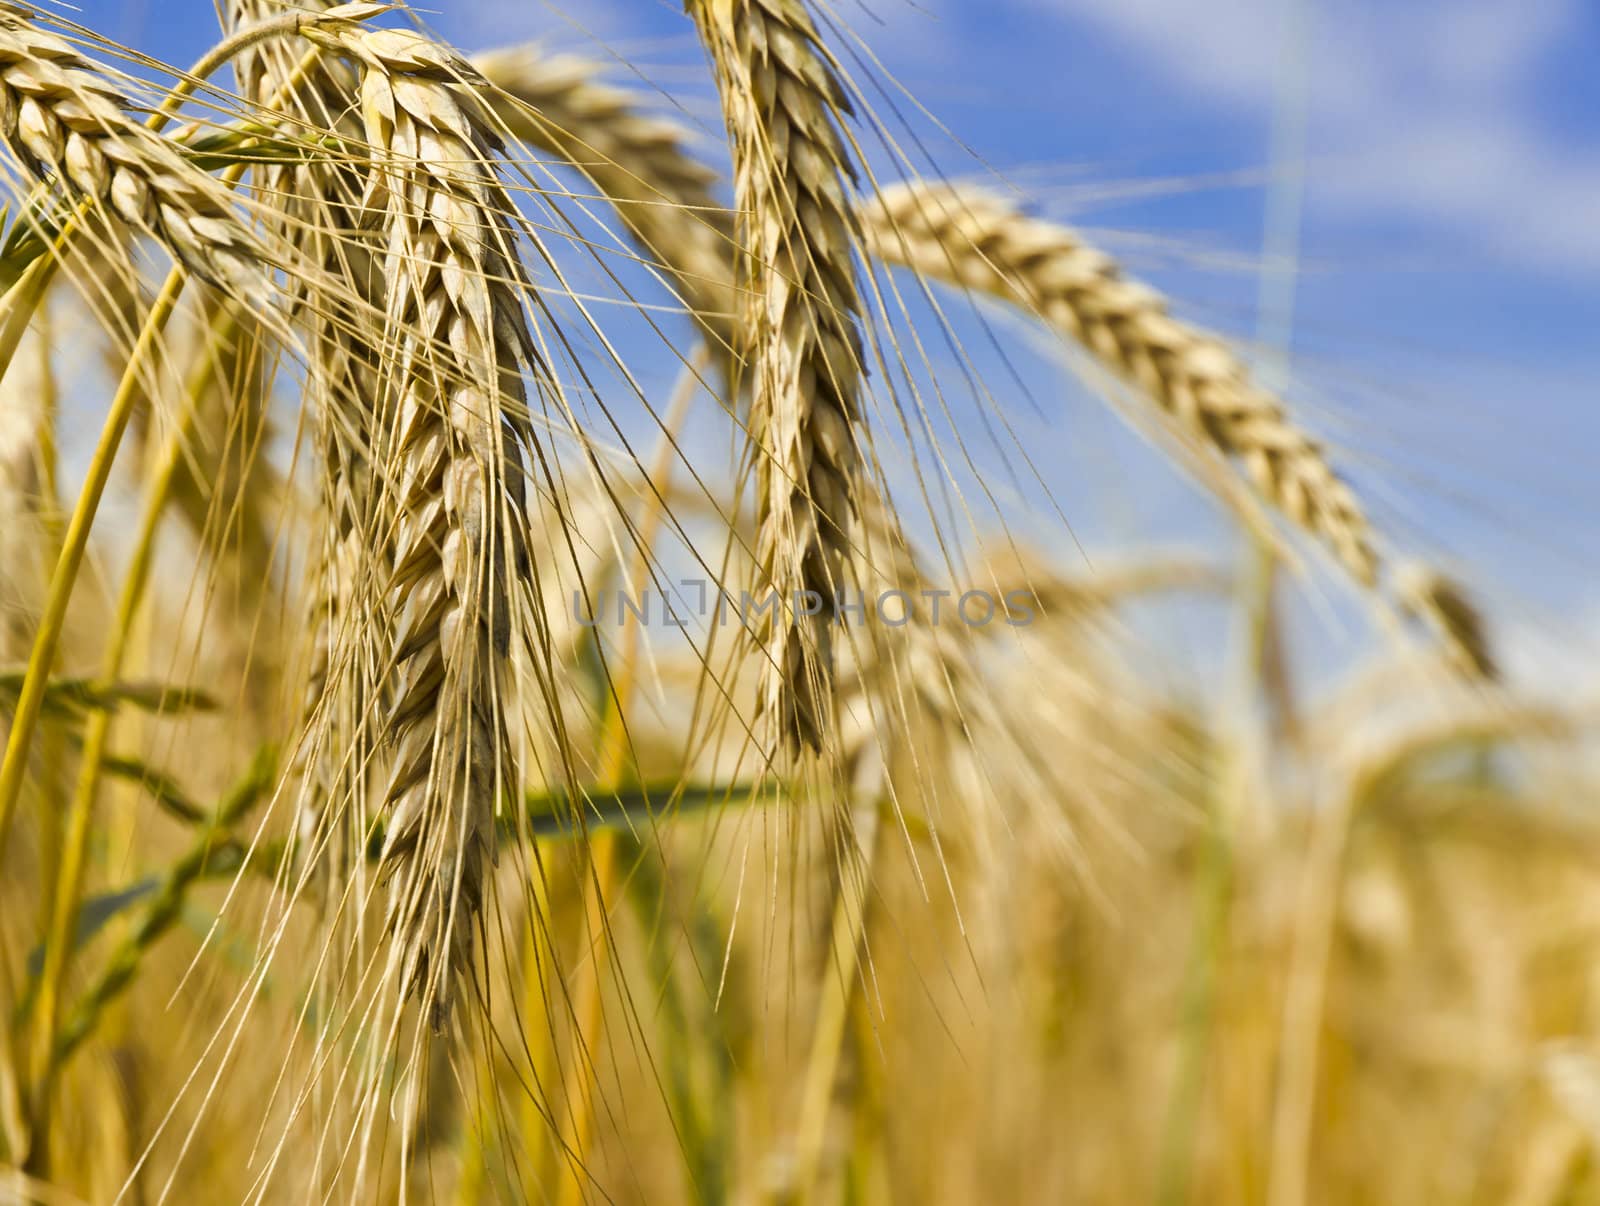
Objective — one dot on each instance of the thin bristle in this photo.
(782, 102)
(638, 162)
(902, 675)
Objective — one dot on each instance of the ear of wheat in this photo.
(454, 418)
(976, 241)
(65, 122)
(782, 102)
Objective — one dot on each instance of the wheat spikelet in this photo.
(62, 118)
(454, 417)
(1441, 602)
(637, 161)
(782, 103)
(976, 241)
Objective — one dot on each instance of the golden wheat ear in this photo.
(61, 117)
(783, 104)
(317, 202)
(971, 239)
(453, 419)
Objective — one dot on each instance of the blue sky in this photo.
(1448, 296)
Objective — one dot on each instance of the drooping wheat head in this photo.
(453, 420)
(64, 121)
(783, 103)
(317, 202)
(979, 242)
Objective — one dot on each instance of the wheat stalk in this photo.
(62, 119)
(974, 240)
(454, 417)
(783, 102)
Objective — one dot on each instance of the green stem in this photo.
(163, 911)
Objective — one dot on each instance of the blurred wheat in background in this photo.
(538, 665)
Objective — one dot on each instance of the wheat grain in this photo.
(783, 103)
(454, 417)
(62, 118)
(974, 240)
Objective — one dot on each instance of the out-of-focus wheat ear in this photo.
(638, 162)
(62, 118)
(976, 241)
(783, 104)
(453, 420)
(1085, 597)
(1444, 604)
(900, 677)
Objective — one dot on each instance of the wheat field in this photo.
(539, 664)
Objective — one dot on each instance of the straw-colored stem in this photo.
(1300, 1039)
(52, 746)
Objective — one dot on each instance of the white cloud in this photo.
(1420, 109)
